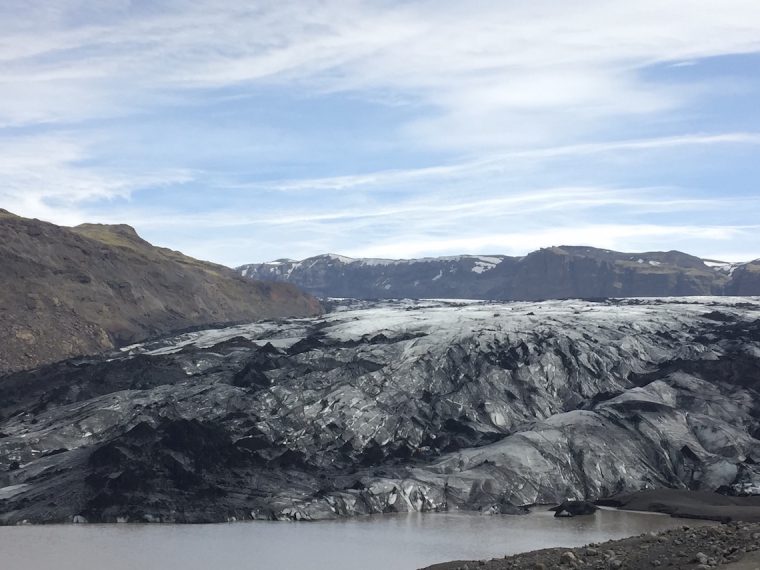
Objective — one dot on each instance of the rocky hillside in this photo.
(392, 406)
(552, 273)
(72, 291)
(745, 279)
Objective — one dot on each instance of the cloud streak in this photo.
(499, 161)
(384, 128)
(47, 176)
(482, 61)
(623, 218)
(610, 236)
(518, 204)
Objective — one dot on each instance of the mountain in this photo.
(392, 406)
(550, 273)
(70, 291)
(745, 279)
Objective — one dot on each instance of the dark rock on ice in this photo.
(392, 407)
(574, 509)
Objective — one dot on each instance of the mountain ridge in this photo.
(553, 272)
(83, 290)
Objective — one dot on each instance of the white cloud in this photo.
(429, 211)
(515, 223)
(499, 161)
(503, 72)
(513, 88)
(631, 237)
(47, 177)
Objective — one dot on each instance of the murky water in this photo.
(398, 542)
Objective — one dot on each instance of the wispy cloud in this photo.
(557, 62)
(716, 242)
(634, 218)
(499, 161)
(48, 176)
(517, 204)
(509, 125)
(612, 236)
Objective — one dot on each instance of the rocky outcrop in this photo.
(83, 290)
(552, 273)
(394, 406)
(574, 509)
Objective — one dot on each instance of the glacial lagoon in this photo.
(398, 542)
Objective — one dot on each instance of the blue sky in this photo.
(387, 128)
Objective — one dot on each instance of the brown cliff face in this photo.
(74, 291)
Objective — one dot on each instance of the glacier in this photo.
(391, 406)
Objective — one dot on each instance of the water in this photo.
(398, 542)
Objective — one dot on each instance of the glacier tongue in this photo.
(392, 406)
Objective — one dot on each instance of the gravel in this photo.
(735, 546)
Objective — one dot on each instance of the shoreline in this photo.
(734, 544)
(681, 503)
(677, 503)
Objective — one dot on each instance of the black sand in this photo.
(689, 504)
(733, 546)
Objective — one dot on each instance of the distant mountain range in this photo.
(549, 273)
(76, 291)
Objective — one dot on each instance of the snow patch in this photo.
(485, 260)
(370, 261)
(718, 264)
(340, 258)
(484, 264)
(726, 267)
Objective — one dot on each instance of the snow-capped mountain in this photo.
(557, 272)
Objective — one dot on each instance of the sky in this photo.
(249, 131)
